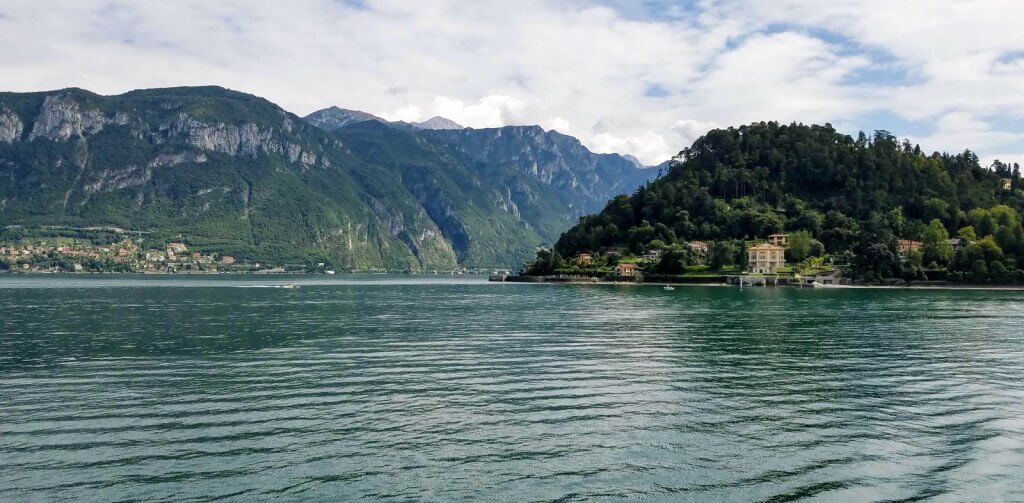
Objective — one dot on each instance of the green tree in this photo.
(546, 263)
(673, 261)
(743, 258)
(982, 221)
(979, 271)
(801, 246)
(999, 273)
(967, 234)
(722, 254)
(935, 244)
(936, 209)
(915, 258)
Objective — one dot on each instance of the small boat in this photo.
(329, 272)
(668, 288)
(290, 286)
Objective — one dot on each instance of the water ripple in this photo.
(204, 389)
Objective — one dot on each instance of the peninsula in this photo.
(797, 204)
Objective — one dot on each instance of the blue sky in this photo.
(638, 77)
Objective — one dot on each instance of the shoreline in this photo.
(236, 273)
(912, 286)
(540, 280)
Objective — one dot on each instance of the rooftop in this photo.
(766, 246)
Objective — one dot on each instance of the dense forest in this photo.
(850, 199)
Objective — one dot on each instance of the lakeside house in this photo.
(227, 260)
(955, 244)
(1006, 183)
(584, 259)
(652, 255)
(698, 246)
(626, 270)
(779, 239)
(177, 247)
(905, 246)
(766, 258)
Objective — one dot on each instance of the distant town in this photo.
(58, 249)
(129, 255)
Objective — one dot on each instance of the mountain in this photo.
(856, 196)
(510, 185)
(236, 174)
(334, 118)
(438, 123)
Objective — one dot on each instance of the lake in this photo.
(398, 388)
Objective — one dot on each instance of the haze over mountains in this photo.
(235, 173)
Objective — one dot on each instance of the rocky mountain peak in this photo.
(334, 118)
(438, 122)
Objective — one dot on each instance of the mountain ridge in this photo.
(238, 174)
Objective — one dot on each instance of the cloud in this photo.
(647, 145)
(959, 130)
(638, 78)
(688, 130)
(489, 111)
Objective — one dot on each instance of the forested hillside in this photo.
(856, 196)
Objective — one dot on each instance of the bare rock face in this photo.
(248, 140)
(504, 201)
(61, 118)
(165, 160)
(117, 179)
(11, 126)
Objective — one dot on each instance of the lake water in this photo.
(440, 389)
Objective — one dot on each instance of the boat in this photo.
(329, 272)
(668, 288)
(290, 286)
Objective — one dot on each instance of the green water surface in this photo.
(453, 389)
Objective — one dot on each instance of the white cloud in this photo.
(688, 130)
(1011, 157)
(959, 130)
(489, 111)
(645, 146)
(950, 63)
(558, 124)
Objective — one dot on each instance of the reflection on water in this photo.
(397, 388)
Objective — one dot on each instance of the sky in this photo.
(635, 77)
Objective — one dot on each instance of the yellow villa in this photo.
(766, 258)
